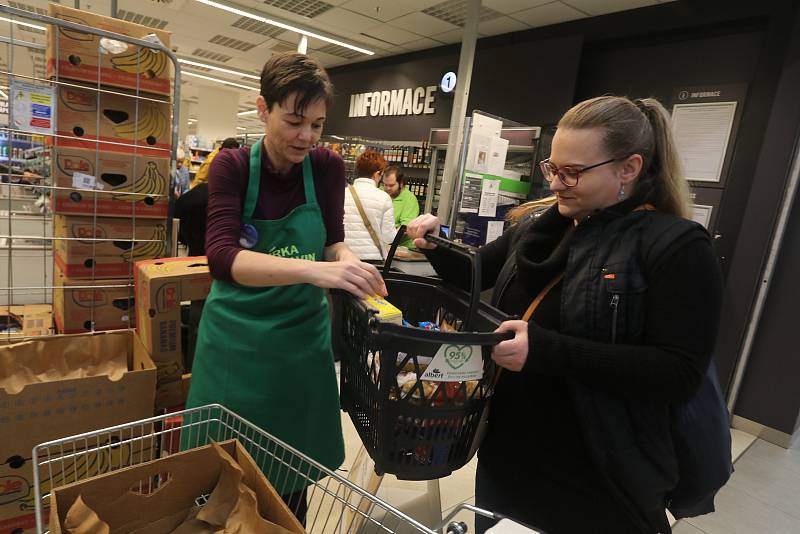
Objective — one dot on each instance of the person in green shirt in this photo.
(406, 205)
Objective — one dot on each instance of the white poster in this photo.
(32, 107)
(471, 194)
(478, 154)
(494, 229)
(702, 214)
(701, 135)
(489, 192)
(483, 125)
(498, 148)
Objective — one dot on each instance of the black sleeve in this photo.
(456, 269)
(683, 309)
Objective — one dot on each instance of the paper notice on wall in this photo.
(494, 229)
(498, 148)
(479, 153)
(489, 192)
(471, 193)
(701, 136)
(32, 107)
(702, 214)
(483, 125)
(455, 363)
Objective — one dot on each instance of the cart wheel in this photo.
(457, 527)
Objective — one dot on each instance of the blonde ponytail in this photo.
(638, 127)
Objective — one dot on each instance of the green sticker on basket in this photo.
(455, 363)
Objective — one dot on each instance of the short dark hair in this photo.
(230, 142)
(288, 73)
(396, 170)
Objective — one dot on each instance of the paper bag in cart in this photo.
(239, 498)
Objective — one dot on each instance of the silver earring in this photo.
(621, 194)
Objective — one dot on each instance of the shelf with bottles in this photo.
(407, 154)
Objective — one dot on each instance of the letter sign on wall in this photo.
(408, 101)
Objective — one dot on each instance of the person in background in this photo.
(202, 173)
(370, 227)
(191, 209)
(275, 242)
(405, 204)
(579, 435)
(182, 179)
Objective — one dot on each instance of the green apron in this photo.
(265, 352)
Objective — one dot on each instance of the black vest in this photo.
(604, 299)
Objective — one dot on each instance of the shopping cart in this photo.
(418, 428)
(335, 505)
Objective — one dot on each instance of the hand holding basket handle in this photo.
(421, 227)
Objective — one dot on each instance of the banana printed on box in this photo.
(121, 122)
(85, 57)
(109, 184)
(105, 247)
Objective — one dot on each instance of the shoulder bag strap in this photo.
(366, 221)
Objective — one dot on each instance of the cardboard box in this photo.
(111, 178)
(189, 475)
(77, 56)
(27, 320)
(59, 407)
(119, 122)
(161, 286)
(114, 258)
(76, 303)
(172, 394)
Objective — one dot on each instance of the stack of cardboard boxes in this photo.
(161, 286)
(110, 166)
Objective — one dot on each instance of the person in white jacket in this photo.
(377, 207)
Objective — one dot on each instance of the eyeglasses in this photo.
(569, 176)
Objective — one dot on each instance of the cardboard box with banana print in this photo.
(109, 304)
(105, 247)
(85, 57)
(113, 122)
(109, 184)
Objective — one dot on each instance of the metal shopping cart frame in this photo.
(97, 284)
(335, 504)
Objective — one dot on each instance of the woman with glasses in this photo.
(578, 437)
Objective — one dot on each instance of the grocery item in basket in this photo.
(383, 309)
(429, 326)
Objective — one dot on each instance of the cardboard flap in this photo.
(63, 358)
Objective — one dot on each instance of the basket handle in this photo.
(469, 252)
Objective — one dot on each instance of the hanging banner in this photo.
(32, 107)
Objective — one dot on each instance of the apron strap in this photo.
(308, 181)
(254, 180)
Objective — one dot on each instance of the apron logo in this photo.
(456, 356)
(291, 251)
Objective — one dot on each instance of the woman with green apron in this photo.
(274, 243)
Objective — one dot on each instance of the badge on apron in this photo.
(249, 236)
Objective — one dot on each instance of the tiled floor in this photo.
(763, 497)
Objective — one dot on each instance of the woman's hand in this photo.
(424, 224)
(359, 278)
(513, 353)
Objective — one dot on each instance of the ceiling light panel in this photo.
(144, 20)
(213, 56)
(230, 42)
(304, 8)
(455, 12)
(339, 51)
(250, 25)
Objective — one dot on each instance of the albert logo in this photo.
(13, 488)
(456, 356)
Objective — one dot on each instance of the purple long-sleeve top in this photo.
(278, 195)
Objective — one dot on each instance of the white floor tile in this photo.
(740, 441)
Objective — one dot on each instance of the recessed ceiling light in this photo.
(12, 21)
(240, 128)
(219, 80)
(220, 69)
(251, 112)
(237, 11)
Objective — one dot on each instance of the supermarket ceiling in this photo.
(235, 36)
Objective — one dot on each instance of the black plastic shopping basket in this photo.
(415, 428)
